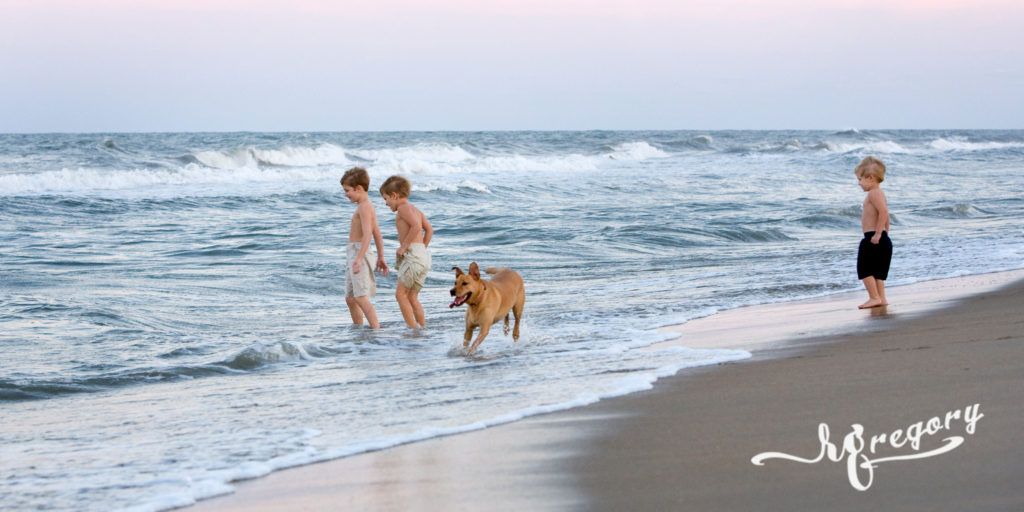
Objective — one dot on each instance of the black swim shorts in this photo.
(873, 259)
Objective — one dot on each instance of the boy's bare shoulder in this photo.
(365, 208)
(418, 211)
(409, 209)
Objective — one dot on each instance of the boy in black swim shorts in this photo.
(875, 251)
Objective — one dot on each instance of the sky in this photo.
(321, 65)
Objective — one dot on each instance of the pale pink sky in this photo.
(125, 65)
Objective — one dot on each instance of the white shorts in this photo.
(413, 267)
(362, 284)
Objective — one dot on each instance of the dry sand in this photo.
(687, 444)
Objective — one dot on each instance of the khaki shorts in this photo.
(413, 267)
(362, 284)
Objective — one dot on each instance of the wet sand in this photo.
(687, 444)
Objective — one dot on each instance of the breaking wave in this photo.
(955, 211)
(249, 358)
(636, 151)
(288, 156)
(961, 144)
(882, 146)
(191, 179)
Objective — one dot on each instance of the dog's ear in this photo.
(458, 272)
(474, 271)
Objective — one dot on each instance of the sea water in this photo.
(172, 312)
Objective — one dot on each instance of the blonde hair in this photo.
(871, 166)
(396, 185)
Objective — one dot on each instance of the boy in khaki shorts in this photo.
(359, 282)
(413, 258)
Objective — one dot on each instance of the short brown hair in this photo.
(356, 177)
(396, 185)
(871, 166)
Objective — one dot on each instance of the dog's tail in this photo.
(493, 270)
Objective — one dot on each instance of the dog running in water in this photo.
(488, 301)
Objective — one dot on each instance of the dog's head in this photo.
(466, 285)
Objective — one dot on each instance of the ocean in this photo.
(172, 305)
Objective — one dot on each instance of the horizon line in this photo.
(505, 130)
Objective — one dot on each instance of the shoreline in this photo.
(543, 452)
(755, 328)
(664, 457)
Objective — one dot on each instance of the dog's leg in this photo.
(468, 335)
(517, 310)
(506, 325)
(484, 329)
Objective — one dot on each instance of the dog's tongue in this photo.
(457, 302)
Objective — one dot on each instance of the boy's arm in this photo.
(409, 215)
(877, 199)
(378, 240)
(428, 230)
(366, 223)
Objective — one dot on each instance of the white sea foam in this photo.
(188, 180)
(882, 146)
(446, 153)
(451, 187)
(199, 180)
(291, 169)
(487, 165)
(288, 156)
(324, 154)
(567, 163)
(217, 482)
(962, 144)
(238, 159)
(636, 151)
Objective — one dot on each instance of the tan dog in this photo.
(488, 300)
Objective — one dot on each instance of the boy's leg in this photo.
(353, 309)
(417, 308)
(367, 309)
(404, 304)
(871, 285)
(880, 284)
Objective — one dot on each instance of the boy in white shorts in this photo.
(360, 285)
(413, 258)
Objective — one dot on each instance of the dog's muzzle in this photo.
(459, 300)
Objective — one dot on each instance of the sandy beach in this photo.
(943, 346)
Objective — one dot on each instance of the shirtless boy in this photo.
(360, 285)
(875, 252)
(413, 258)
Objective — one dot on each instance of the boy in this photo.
(875, 251)
(413, 259)
(359, 282)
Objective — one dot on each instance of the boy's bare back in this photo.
(410, 218)
(874, 204)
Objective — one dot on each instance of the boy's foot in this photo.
(873, 303)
